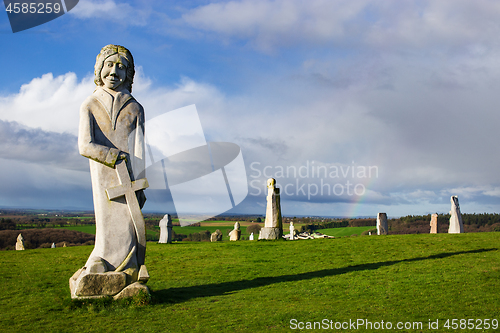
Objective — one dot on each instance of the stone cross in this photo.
(382, 224)
(456, 225)
(128, 188)
(20, 243)
(166, 229)
(434, 223)
(273, 227)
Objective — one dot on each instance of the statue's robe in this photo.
(112, 122)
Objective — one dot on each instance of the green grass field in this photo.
(260, 286)
(89, 229)
(348, 231)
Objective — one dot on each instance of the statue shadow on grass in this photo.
(182, 294)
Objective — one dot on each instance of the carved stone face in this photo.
(114, 71)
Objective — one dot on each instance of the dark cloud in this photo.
(18, 142)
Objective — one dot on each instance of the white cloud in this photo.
(290, 123)
(39, 128)
(434, 23)
(48, 102)
(109, 10)
(23, 143)
(157, 100)
(471, 192)
(276, 23)
(53, 103)
(270, 24)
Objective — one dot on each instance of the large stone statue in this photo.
(111, 136)
(382, 228)
(273, 227)
(456, 225)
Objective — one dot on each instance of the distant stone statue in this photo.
(456, 225)
(166, 229)
(111, 136)
(53, 246)
(434, 223)
(216, 236)
(235, 234)
(382, 228)
(273, 227)
(251, 236)
(20, 243)
(292, 232)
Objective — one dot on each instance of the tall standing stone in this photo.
(456, 225)
(434, 223)
(382, 224)
(166, 229)
(273, 227)
(235, 234)
(20, 243)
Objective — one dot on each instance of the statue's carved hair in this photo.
(105, 53)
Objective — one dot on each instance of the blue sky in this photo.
(408, 87)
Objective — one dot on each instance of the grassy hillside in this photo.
(252, 286)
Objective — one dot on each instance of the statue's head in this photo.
(271, 182)
(237, 226)
(114, 68)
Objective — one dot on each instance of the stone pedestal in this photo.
(434, 223)
(456, 225)
(84, 284)
(273, 227)
(132, 290)
(382, 224)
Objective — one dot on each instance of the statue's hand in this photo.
(124, 156)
